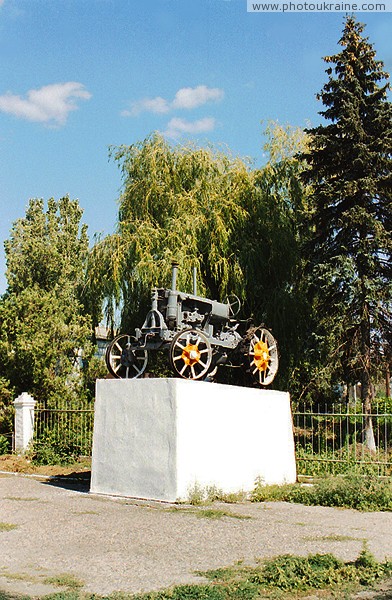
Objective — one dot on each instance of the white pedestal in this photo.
(157, 438)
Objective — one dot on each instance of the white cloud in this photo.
(50, 104)
(186, 98)
(155, 105)
(176, 127)
(189, 98)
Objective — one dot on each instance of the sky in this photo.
(80, 76)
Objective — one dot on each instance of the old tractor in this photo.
(199, 335)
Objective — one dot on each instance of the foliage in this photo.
(269, 244)
(45, 325)
(4, 445)
(51, 449)
(355, 458)
(178, 203)
(361, 492)
(6, 407)
(349, 265)
(199, 495)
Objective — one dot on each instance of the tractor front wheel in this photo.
(125, 359)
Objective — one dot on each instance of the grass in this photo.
(19, 499)
(283, 577)
(198, 495)
(7, 526)
(65, 580)
(208, 513)
(361, 492)
(343, 461)
(331, 538)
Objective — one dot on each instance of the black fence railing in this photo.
(67, 430)
(328, 439)
(331, 439)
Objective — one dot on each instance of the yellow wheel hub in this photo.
(190, 355)
(261, 355)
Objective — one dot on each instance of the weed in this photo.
(19, 499)
(7, 526)
(366, 493)
(297, 573)
(331, 538)
(198, 494)
(65, 580)
(209, 513)
(18, 576)
(85, 512)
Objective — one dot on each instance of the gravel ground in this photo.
(122, 545)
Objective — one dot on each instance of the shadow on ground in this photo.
(77, 482)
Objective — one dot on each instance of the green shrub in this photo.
(290, 574)
(49, 450)
(5, 445)
(368, 493)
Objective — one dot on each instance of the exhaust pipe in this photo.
(194, 281)
(171, 309)
(174, 276)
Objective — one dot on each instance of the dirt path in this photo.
(119, 545)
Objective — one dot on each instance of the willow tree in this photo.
(178, 203)
(350, 171)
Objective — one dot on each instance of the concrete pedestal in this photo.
(24, 422)
(157, 438)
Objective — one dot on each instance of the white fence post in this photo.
(24, 421)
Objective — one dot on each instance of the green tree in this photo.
(350, 172)
(44, 322)
(268, 243)
(178, 203)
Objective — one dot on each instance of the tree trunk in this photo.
(367, 389)
(367, 397)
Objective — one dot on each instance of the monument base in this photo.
(157, 438)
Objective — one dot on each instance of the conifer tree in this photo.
(350, 171)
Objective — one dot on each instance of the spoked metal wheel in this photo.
(124, 359)
(190, 354)
(263, 356)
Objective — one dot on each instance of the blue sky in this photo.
(77, 76)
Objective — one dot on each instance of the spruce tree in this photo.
(350, 172)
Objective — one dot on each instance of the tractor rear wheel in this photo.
(190, 354)
(263, 356)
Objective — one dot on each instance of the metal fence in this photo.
(65, 430)
(330, 439)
